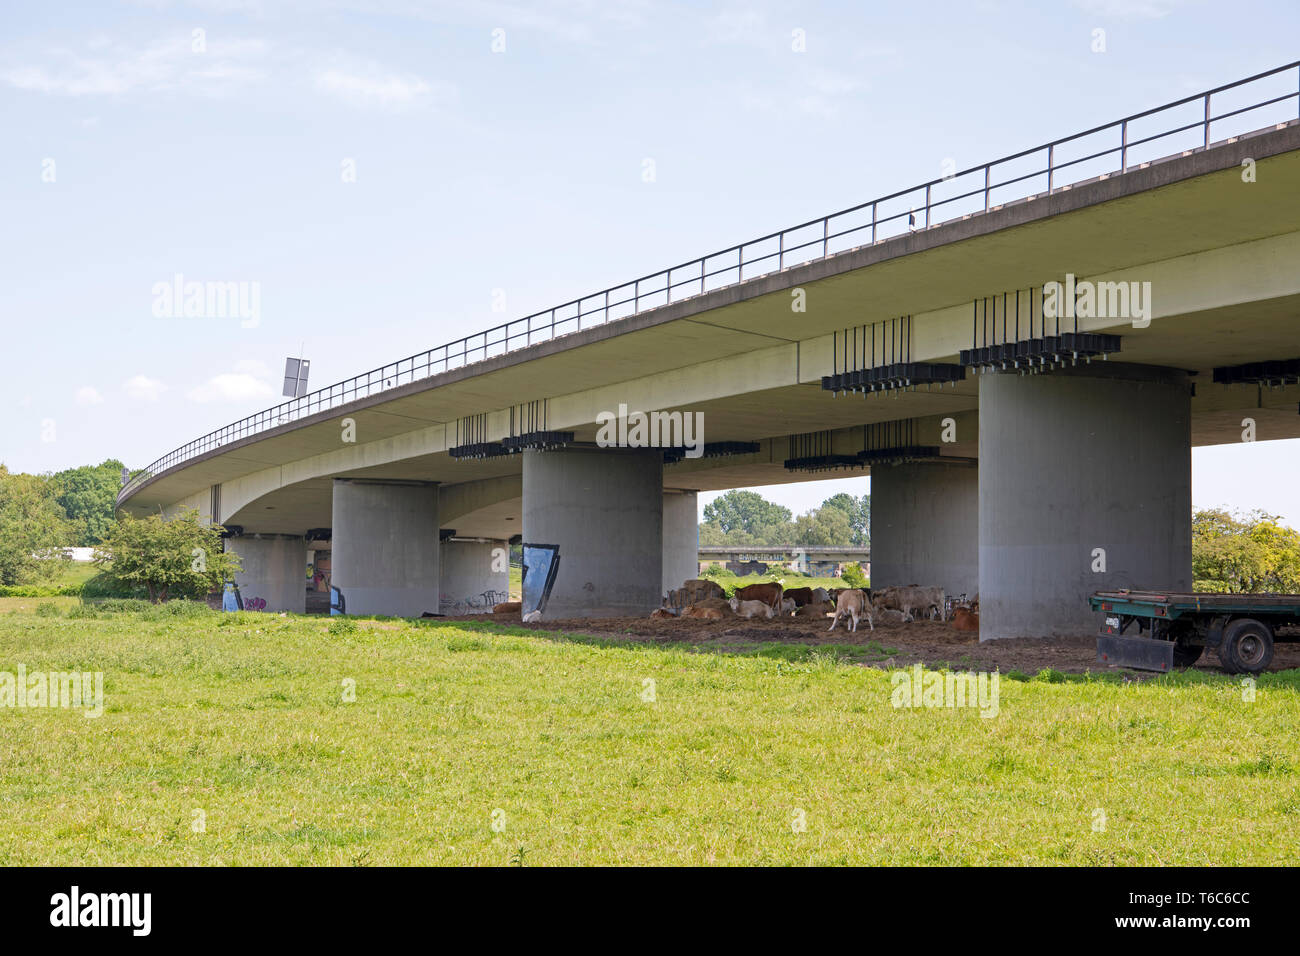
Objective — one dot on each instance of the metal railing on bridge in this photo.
(866, 223)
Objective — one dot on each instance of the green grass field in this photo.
(239, 721)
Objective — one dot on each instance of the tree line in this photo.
(72, 508)
(747, 518)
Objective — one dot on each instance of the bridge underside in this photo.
(1003, 510)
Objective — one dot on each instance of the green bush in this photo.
(853, 576)
(106, 585)
(39, 590)
(46, 609)
(120, 605)
(168, 611)
(172, 609)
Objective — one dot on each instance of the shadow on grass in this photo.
(776, 650)
(875, 653)
(871, 653)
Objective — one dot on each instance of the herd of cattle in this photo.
(705, 600)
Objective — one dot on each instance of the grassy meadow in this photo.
(230, 739)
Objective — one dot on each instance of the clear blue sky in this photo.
(476, 171)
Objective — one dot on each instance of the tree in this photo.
(854, 576)
(88, 496)
(1243, 554)
(32, 528)
(747, 512)
(180, 557)
(858, 511)
(823, 526)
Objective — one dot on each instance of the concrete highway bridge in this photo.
(1021, 356)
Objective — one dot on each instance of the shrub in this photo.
(178, 557)
(40, 590)
(106, 585)
(853, 576)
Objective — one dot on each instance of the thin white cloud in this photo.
(104, 68)
(1129, 9)
(88, 395)
(220, 65)
(371, 86)
(144, 387)
(244, 384)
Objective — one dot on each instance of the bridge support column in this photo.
(925, 525)
(1085, 484)
(475, 575)
(385, 547)
(681, 538)
(603, 508)
(273, 575)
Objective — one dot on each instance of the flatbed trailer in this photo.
(1175, 628)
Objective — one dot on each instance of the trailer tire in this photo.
(1247, 646)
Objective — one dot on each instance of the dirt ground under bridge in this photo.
(926, 642)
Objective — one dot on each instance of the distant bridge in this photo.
(803, 558)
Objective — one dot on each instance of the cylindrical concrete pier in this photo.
(475, 575)
(681, 538)
(1085, 484)
(925, 526)
(603, 508)
(273, 571)
(385, 546)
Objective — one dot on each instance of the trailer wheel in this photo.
(1247, 646)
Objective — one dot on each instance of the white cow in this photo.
(929, 601)
(853, 603)
(748, 609)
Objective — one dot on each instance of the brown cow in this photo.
(964, 619)
(700, 612)
(507, 607)
(692, 592)
(820, 609)
(769, 594)
(800, 596)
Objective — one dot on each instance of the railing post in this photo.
(701, 277)
(1207, 120)
(873, 223)
(927, 205)
(740, 267)
(1050, 152)
(668, 286)
(780, 252)
(1123, 147)
(986, 187)
(606, 305)
(636, 296)
(826, 237)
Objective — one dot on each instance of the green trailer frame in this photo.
(1174, 628)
